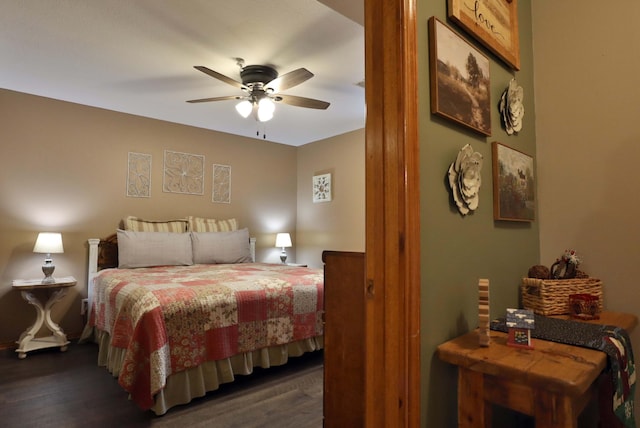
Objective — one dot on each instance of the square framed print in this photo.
(322, 188)
(460, 81)
(494, 23)
(513, 184)
(183, 173)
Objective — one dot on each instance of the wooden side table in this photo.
(553, 382)
(28, 340)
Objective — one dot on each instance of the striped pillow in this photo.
(139, 225)
(199, 224)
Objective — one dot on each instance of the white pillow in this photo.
(145, 249)
(221, 247)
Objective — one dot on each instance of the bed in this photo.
(183, 311)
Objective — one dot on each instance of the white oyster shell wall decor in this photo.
(511, 107)
(465, 179)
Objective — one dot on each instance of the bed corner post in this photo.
(92, 268)
(252, 249)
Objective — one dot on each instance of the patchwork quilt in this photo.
(171, 318)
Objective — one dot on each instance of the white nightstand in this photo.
(28, 341)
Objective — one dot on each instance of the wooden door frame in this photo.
(392, 312)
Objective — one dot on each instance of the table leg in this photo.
(27, 336)
(473, 410)
(28, 341)
(554, 410)
(51, 325)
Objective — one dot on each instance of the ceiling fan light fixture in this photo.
(244, 108)
(266, 107)
(262, 83)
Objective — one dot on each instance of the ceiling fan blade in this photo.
(289, 80)
(301, 101)
(219, 76)
(206, 100)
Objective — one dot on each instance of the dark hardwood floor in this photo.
(67, 389)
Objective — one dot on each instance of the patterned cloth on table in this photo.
(612, 340)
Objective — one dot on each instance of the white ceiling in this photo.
(137, 57)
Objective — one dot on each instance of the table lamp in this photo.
(48, 243)
(283, 240)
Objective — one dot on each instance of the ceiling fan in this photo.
(262, 86)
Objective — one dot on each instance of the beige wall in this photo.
(587, 105)
(63, 168)
(339, 224)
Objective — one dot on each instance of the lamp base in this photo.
(283, 256)
(47, 268)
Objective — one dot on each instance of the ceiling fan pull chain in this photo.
(264, 130)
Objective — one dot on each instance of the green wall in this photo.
(457, 250)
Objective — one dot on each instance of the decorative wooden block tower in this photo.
(483, 312)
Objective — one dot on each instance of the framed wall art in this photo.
(139, 175)
(183, 173)
(513, 184)
(460, 81)
(494, 23)
(322, 188)
(221, 192)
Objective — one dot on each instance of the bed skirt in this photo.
(184, 386)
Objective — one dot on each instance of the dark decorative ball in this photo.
(581, 274)
(539, 271)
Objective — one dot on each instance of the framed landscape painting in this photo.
(460, 84)
(494, 23)
(513, 184)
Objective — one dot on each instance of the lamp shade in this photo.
(48, 243)
(244, 108)
(283, 240)
(266, 108)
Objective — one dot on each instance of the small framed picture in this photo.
(460, 81)
(513, 184)
(322, 188)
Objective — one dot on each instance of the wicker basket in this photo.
(551, 296)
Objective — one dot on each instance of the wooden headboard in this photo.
(108, 252)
